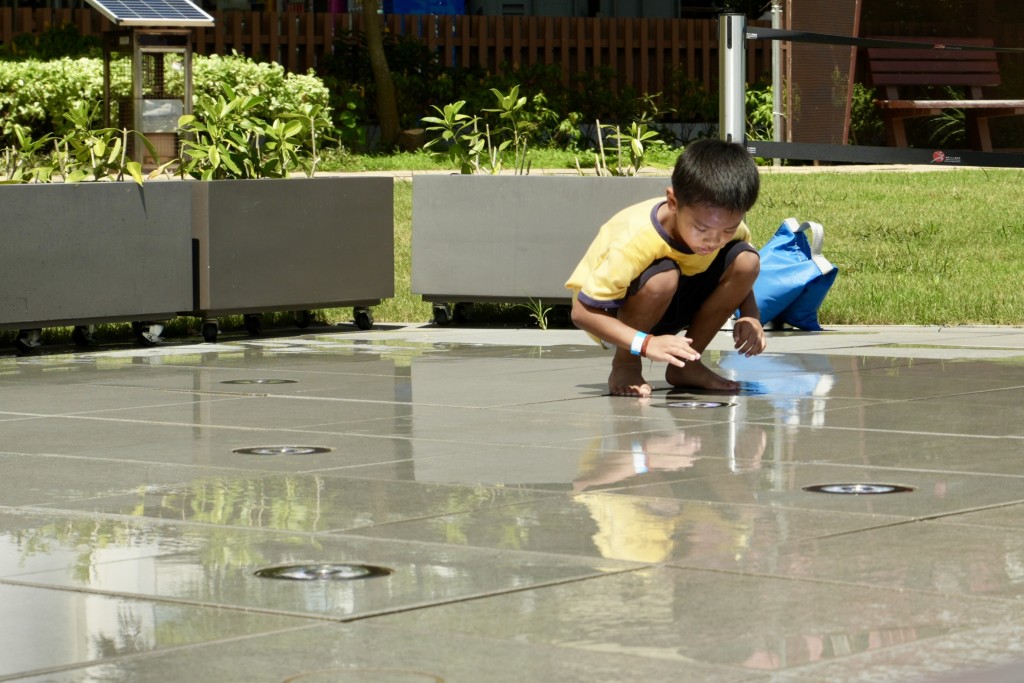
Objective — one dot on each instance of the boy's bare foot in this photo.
(696, 375)
(627, 380)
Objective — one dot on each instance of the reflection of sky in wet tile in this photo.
(68, 628)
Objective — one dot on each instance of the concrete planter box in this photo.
(79, 254)
(510, 238)
(291, 245)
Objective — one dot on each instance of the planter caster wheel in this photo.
(28, 341)
(442, 315)
(253, 324)
(82, 335)
(463, 312)
(303, 319)
(147, 334)
(364, 318)
(210, 330)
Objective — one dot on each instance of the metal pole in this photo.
(777, 78)
(732, 108)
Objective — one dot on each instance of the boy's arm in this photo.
(668, 348)
(748, 333)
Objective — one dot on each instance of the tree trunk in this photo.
(387, 104)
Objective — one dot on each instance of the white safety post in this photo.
(777, 78)
(732, 77)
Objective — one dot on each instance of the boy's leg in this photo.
(649, 298)
(735, 284)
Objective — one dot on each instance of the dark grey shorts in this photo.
(693, 290)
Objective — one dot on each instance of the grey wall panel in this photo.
(479, 238)
(93, 252)
(294, 244)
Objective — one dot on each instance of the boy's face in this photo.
(703, 228)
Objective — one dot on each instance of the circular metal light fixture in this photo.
(259, 381)
(698, 404)
(365, 675)
(282, 450)
(323, 572)
(858, 489)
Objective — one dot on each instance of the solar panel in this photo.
(152, 12)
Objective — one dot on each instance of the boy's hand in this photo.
(671, 349)
(748, 335)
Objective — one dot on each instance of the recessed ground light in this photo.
(698, 404)
(365, 675)
(282, 450)
(259, 381)
(323, 572)
(858, 489)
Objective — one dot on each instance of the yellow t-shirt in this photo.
(624, 247)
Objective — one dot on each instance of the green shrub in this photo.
(760, 112)
(280, 91)
(866, 126)
(38, 95)
(227, 137)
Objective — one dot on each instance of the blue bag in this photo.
(794, 277)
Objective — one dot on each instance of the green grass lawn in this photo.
(920, 248)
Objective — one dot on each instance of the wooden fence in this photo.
(644, 53)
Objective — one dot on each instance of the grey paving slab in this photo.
(69, 629)
(659, 624)
(299, 502)
(783, 485)
(45, 479)
(214, 446)
(943, 559)
(631, 528)
(758, 624)
(88, 399)
(673, 450)
(214, 566)
(979, 413)
(402, 651)
(991, 654)
(537, 529)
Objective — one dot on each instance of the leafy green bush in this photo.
(38, 95)
(227, 137)
(760, 112)
(85, 152)
(279, 90)
(865, 124)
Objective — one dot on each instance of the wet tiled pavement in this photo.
(533, 528)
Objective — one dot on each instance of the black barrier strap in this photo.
(762, 33)
(864, 154)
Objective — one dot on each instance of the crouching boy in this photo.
(679, 262)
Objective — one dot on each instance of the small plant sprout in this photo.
(538, 311)
(636, 141)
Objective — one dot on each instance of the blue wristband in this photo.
(638, 343)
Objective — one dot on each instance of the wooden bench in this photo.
(903, 75)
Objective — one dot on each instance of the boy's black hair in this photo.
(714, 172)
